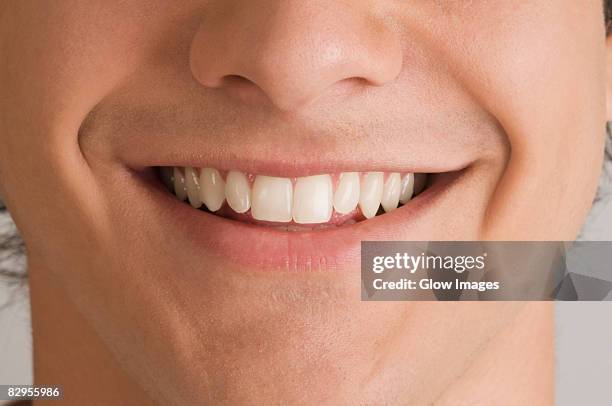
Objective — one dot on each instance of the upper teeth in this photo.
(304, 200)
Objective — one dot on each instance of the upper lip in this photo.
(161, 119)
(285, 148)
(292, 159)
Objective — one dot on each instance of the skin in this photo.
(125, 309)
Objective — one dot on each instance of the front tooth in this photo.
(391, 192)
(238, 192)
(346, 197)
(180, 190)
(371, 193)
(272, 198)
(212, 188)
(193, 187)
(312, 199)
(407, 188)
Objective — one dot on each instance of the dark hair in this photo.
(12, 259)
(608, 15)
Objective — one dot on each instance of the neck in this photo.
(69, 353)
(516, 368)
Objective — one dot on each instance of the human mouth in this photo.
(293, 204)
(273, 223)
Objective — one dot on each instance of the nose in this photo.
(292, 51)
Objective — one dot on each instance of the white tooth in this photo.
(212, 188)
(346, 197)
(272, 199)
(391, 192)
(407, 188)
(312, 199)
(180, 190)
(192, 184)
(371, 193)
(238, 191)
(420, 179)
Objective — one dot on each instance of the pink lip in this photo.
(270, 249)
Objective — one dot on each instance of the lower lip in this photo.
(268, 249)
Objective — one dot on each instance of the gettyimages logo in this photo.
(479, 270)
(412, 263)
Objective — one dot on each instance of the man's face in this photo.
(501, 102)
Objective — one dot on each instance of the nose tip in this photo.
(292, 51)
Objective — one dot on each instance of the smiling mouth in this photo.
(312, 223)
(293, 204)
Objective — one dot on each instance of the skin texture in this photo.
(127, 307)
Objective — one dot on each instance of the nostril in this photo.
(293, 52)
(235, 80)
(242, 88)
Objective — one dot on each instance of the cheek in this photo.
(56, 74)
(49, 187)
(539, 69)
